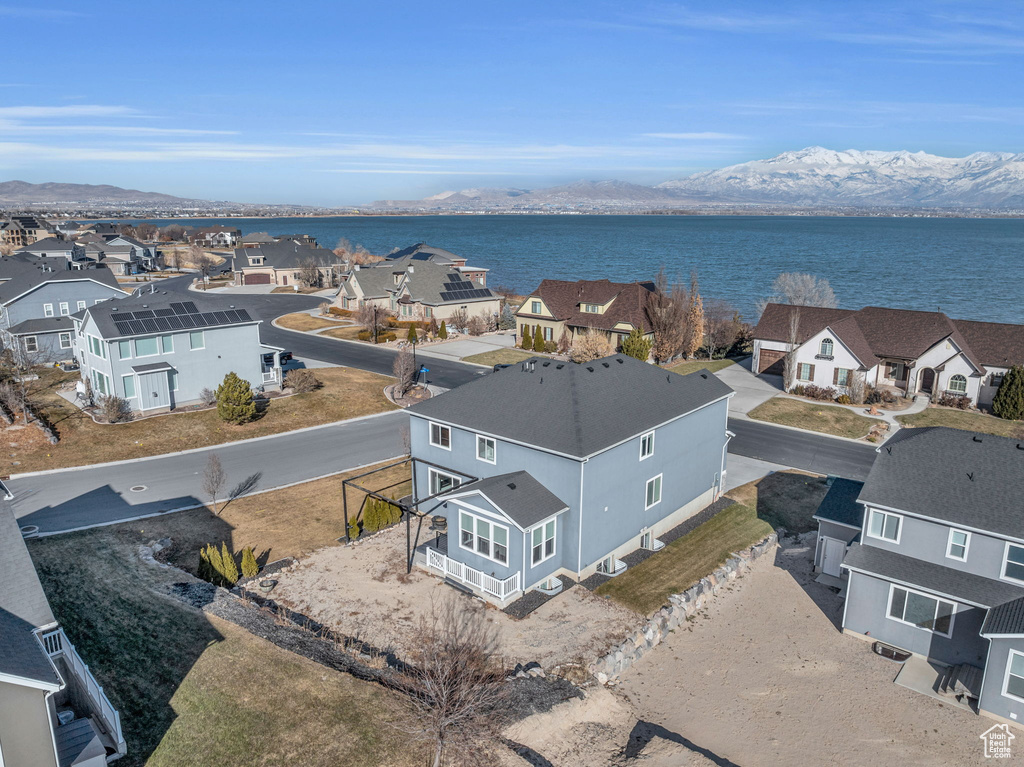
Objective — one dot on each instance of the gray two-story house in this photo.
(935, 563)
(548, 468)
(37, 299)
(159, 351)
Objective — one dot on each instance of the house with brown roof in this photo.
(915, 352)
(613, 309)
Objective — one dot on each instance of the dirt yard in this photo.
(363, 591)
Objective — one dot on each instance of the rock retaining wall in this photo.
(680, 608)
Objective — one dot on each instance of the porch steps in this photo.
(961, 680)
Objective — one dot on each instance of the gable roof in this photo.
(840, 503)
(42, 325)
(575, 410)
(1007, 618)
(163, 312)
(48, 243)
(423, 252)
(995, 344)
(425, 281)
(521, 497)
(19, 276)
(960, 477)
(563, 299)
(258, 237)
(286, 254)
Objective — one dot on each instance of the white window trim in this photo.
(196, 348)
(1006, 676)
(135, 385)
(430, 435)
(60, 340)
(130, 350)
(81, 306)
(831, 347)
(154, 354)
(660, 491)
(952, 615)
(432, 472)
(642, 438)
(949, 544)
(47, 310)
(481, 438)
(1002, 568)
(899, 528)
(35, 343)
(800, 366)
(536, 307)
(160, 344)
(172, 377)
(472, 549)
(554, 541)
(65, 309)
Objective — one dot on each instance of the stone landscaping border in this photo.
(681, 608)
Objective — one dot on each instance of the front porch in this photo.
(958, 686)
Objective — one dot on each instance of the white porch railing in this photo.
(56, 644)
(270, 376)
(463, 572)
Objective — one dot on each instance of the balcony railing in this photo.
(473, 577)
(57, 644)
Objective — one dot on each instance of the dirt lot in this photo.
(363, 590)
(765, 677)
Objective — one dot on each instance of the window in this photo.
(128, 384)
(31, 345)
(80, 306)
(841, 376)
(172, 380)
(440, 436)
(653, 491)
(48, 310)
(124, 350)
(996, 379)
(1013, 684)
(485, 449)
(488, 539)
(65, 310)
(543, 542)
(99, 300)
(549, 334)
(958, 384)
(535, 307)
(146, 347)
(1013, 562)
(197, 340)
(166, 344)
(956, 548)
(647, 445)
(592, 308)
(101, 382)
(825, 349)
(805, 372)
(920, 610)
(440, 482)
(97, 347)
(65, 340)
(884, 526)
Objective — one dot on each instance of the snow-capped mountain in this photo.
(817, 176)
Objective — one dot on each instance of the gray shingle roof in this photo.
(1007, 618)
(48, 244)
(106, 314)
(428, 282)
(945, 581)
(43, 325)
(959, 477)
(840, 503)
(573, 409)
(525, 500)
(286, 254)
(21, 655)
(20, 276)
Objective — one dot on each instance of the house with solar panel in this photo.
(929, 555)
(419, 283)
(158, 351)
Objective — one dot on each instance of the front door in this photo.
(154, 390)
(927, 380)
(832, 556)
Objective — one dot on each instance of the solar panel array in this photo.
(178, 316)
(454, 288)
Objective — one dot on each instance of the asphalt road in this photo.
(100, 495)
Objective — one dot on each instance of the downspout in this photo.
(579, 549)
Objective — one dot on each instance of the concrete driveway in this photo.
(751, 390)
(468, 346)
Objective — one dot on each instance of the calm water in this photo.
(970, 268)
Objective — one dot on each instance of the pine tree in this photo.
(204, 571)
(216, 565)
(443, 332)
(527, 343)
(235, 403)
(507, 319)
(1009, 400)
(538, 338)
(412, 336)
(636, 345)
(250, 569)
(230, 568)
(353, 529)
(370, 515)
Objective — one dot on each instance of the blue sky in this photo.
(339, 103)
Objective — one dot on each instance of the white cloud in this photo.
(74, 110)
(705, 136)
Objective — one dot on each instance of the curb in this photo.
(745, 417)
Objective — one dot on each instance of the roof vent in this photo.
(704, 376)
(560, 365)
(511, 485)
(976, 438)
(606, 364)
(619, 360)
(545, 364)
(589, 368)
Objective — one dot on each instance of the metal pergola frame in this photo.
(409, 508)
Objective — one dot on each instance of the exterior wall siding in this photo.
(25, 734)
(31, 306)
(824, 370)
(992, 700)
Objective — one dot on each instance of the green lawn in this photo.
(647, 586)
(964, 419)
(499, 357)
(196, 690)
(692, 366)
(813, 416)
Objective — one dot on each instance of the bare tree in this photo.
(201, 260)
(459, 319)
(127, 230)
(213, 480)
(693, 334)
(800, 289)
(793, 339)
(310, 274)
(456, 694)
(721, 326)
(373, 318)
(172, 257)
(145, 231)
(590, 346)
(172, 233)
(7, 248)
(405, 372)
(666, 310)
(857, 387)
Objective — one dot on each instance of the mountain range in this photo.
(813, 177)
(24, 193)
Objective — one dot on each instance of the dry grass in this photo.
(303, 321)
(291, 289)
(784, 499)
(647, 586)
(346, 393)
(499, 357)
(692, 366)
(348, 333)
(826, 419)
(964, 419)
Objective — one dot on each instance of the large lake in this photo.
(968, 268)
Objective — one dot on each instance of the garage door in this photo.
(771, 361)
(257, 279)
